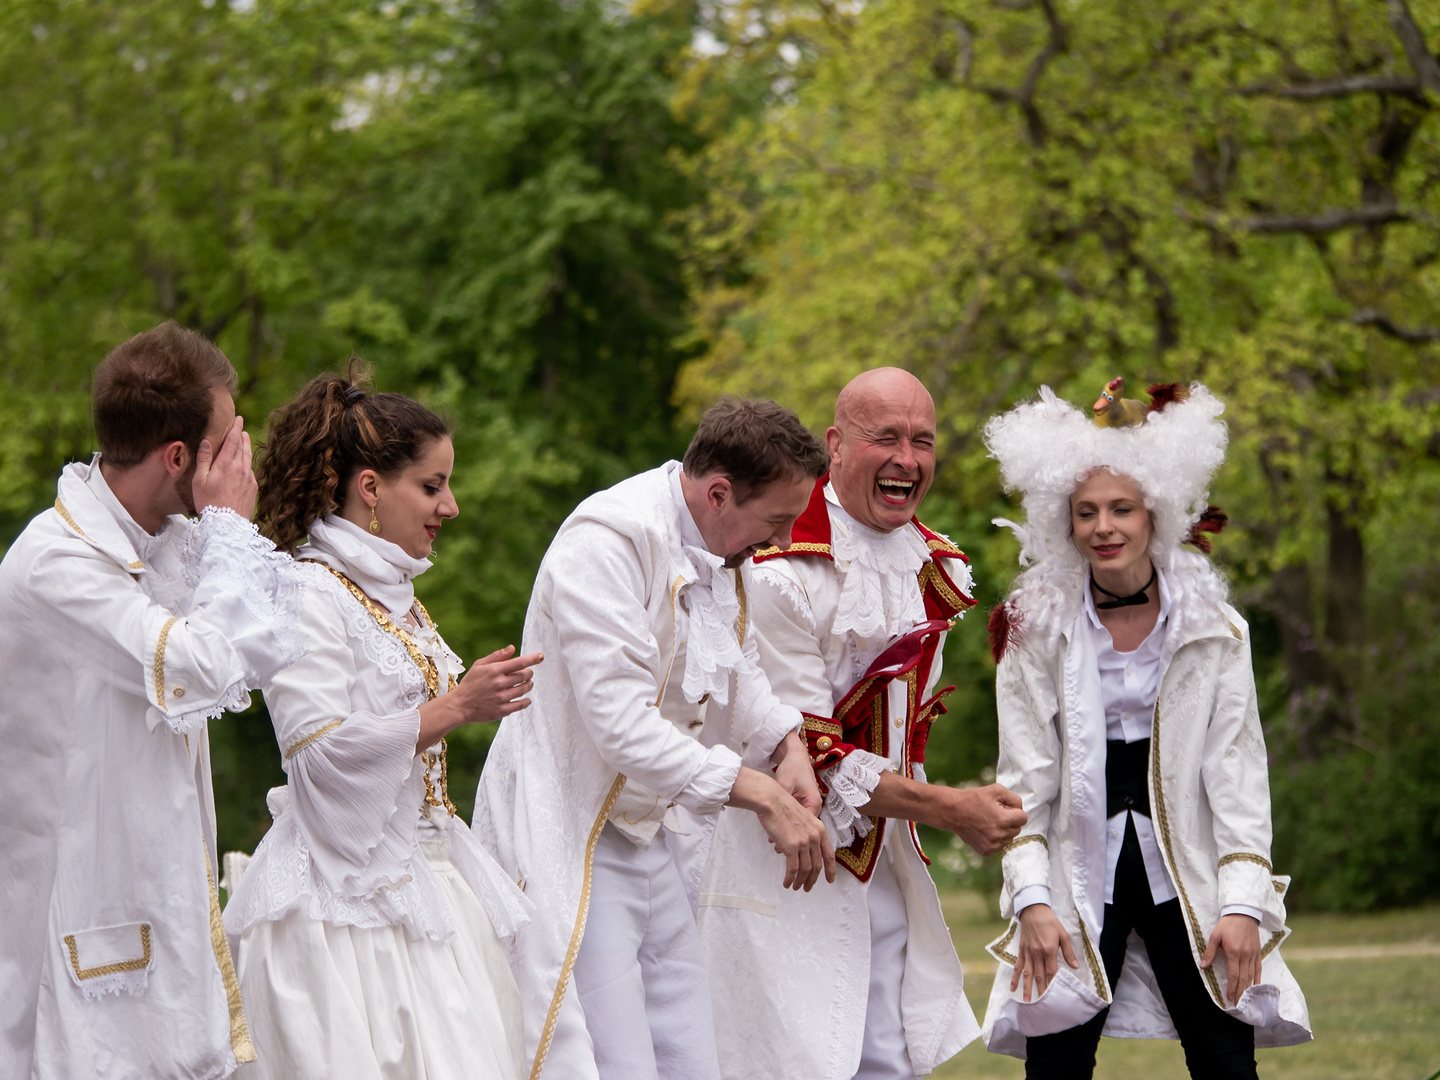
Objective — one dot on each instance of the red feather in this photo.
(1004, 627)
(1213, 520)
(1163, 394)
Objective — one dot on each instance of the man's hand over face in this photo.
(226, 480)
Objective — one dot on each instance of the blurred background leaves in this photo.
(569, 225)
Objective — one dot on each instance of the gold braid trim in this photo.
(999, 947)
(1101, 985)
(1162, 819)
(432, 685)
(1275, 939)
(64, 513)
(674, 644)
(740, 619)
(295, 747)
(578, 933)
(160, 660)
(65, 516)
(1019, 841)
(239, 1030)
(1245, 856)
(821, 727)
(110, 969)
(802, 548)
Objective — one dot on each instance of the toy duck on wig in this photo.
(1132, 889)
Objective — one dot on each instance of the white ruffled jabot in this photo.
(879, 593)
(712, 651)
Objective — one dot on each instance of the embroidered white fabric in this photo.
(383, 650)
(768, 574)
(878, 594)
(235, 558)
(130, 982)
(851, 781)
(712, 650)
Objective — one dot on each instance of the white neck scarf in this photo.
(382, 569)
(879, 590)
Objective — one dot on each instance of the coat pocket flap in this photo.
(110, 958)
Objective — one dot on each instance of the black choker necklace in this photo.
(1138, 599)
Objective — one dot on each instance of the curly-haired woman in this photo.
(370, 917)
(1141, 893)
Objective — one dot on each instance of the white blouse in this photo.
(345, 841)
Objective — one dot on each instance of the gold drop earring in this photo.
(374, 521)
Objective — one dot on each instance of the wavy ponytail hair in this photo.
(331, 431)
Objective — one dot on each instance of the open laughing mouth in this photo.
(896, 492)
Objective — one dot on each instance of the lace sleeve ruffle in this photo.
(235, 560)
(354, 791)
(850, 782)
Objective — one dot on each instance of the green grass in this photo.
(1373, 1019)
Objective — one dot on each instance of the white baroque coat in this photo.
(611, 612)
(1210, 795)
(118, 648)
(790, 971)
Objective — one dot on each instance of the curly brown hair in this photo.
(332, 430)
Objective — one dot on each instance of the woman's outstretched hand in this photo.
(1042, 935)
(493, 688)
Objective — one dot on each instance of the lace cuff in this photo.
(355, 792)
(236, 698)
(236, 560)
(850, 783)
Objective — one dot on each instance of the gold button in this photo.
(179, 691)
(824, 742)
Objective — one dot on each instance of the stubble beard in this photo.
(185, 489)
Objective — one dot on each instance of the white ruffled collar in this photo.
(712, 650)
(879, 588)
(382, 570)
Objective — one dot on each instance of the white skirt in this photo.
(328, 1001)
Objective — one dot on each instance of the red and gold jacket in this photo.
(892, 686)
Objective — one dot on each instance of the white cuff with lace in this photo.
(851, 780)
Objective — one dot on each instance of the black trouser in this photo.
(1216, 1044)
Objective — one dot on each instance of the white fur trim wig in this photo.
(1047, 447)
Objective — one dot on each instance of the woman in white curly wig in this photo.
(1141, 895)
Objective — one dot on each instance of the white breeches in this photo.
(640, 973)
(883, 1054)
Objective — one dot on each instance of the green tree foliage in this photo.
(474, 197)
(997, 194)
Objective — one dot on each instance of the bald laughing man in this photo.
(858, 979)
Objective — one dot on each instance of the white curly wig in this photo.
(1046, 448)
